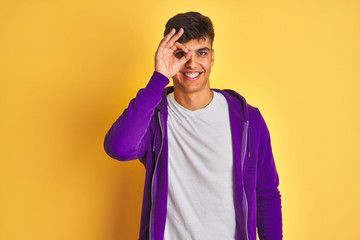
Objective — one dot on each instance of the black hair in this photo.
(195, 25)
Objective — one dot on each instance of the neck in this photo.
(193, 101)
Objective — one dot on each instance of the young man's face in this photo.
(193, 75)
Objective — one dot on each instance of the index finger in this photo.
(180, 46)
(175, 38)
(167, 37)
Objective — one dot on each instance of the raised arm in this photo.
(124, 140)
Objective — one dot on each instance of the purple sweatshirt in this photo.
(141, 133)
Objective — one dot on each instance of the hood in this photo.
(237, 103)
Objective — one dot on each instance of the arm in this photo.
(125, 140)
(269, 217)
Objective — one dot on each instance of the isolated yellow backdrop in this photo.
(69, 68)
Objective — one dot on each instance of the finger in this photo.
(167, 37)
(175, 38)
(186, 57)
(178, 45)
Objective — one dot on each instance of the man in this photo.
(210, 172)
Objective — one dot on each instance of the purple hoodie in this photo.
(141, 133)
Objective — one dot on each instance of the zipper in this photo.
(152, 181)
(245, 203)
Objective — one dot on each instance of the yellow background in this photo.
(69, 68)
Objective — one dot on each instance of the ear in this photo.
(212, 57)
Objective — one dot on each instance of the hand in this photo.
(166, 62)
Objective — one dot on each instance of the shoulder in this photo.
(238, 101)
(252, 113)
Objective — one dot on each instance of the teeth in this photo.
(192, 75)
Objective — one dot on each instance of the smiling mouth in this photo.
(192, 76)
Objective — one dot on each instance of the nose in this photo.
(191, 63)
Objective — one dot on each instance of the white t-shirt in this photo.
(200, 193)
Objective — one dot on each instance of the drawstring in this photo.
(154, 140)
(248, 142)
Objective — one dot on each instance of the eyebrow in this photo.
(199, 50)
(204, 48)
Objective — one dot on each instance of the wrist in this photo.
(158, 82)
(165, 75)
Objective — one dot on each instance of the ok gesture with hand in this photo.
(166, 62)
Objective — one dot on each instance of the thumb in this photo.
(186, 57)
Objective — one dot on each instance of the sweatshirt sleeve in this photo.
(124, 140)
(269, 216)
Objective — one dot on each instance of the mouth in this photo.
(191, 75)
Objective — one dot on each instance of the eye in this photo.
(179, 54)
(202, 53)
